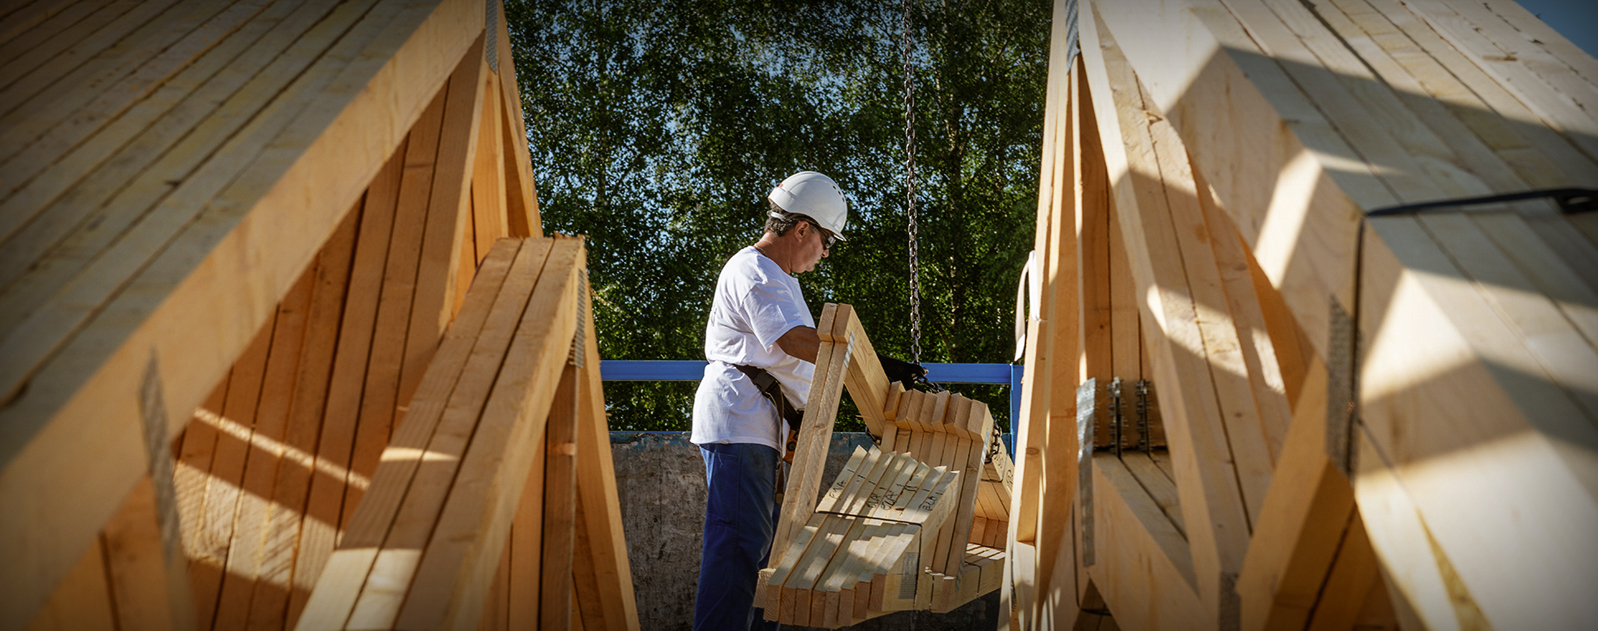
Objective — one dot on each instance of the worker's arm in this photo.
(801, 342)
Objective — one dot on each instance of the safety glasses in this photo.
(828, 240)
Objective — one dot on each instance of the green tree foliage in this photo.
(658, 128)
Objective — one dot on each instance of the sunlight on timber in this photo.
(206, 506)
(405, 454)
(385, 588)
(1414, 320)
(1284, 219)
(1445, 491)
(1227, 359)
(281, 450)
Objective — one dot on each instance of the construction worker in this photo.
(761, 346)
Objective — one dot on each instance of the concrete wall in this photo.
(661, 482)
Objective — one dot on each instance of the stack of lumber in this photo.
(951, 430)
(1375, 417)
(235, 234)
(875, 544)
(858, 555)
(507, 425)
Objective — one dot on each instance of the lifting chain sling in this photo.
(910, 190)
(910, 213)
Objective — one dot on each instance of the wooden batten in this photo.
(282, 459)
(187, 248)
(1308, 440)
(897, 530)
(1211, 498)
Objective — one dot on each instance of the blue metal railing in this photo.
(693, 370)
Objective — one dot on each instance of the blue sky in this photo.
(1575, 19)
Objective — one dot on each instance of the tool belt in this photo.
(769, 388)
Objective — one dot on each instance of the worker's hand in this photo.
(801, 342)
(902, 371)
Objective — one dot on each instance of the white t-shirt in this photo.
(755, 303)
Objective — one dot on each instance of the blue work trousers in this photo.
(740, 518)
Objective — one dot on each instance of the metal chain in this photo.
(910, 191)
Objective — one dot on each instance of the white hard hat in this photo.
(815, 195)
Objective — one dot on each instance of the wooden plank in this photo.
(798, 499)
(472, 528)
(1350, 582)
(1544, 268)
(265, 452)
(53, 120)
(44, 29)
(81, 218)
(81, 602)
(1483, 101)
(144, 573)
(1316, 66)
(1416, 164)
(1059, 476)
(488, 172)
(596, 485)
(866, 382)
(1398, 535)
(495, 611)
(1293, 352)
(890, 412)
(1032, 429)
(1244, 429)
(1240, 145)
(974, 415)
(1296, 536)
(789, 556)
(938, 507)
(1491, 386)
(1258, 350)
(213, 531)
(324, 500)
(853, 581)
(22, 17)
(192, 469)
(843, 570)
(269, 605)
(72, 120)
(1158, 487)
(296, 194)
(465, 263)
(448, 211)
(883, 552)
(588, 608)
(526, 546)
(1126, 332)
(560, 507)
(800, 588)
(1550, 97)
(405, 500)
(380, 395)
(1212, 502)
(80, 31)
(1142, 567)
(100, 58)
(1565, 356)
(889, 556)
(521, 202)
(1501, 170)
(1532, 30)
(1092, 203)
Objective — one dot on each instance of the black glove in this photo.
(902, 371)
